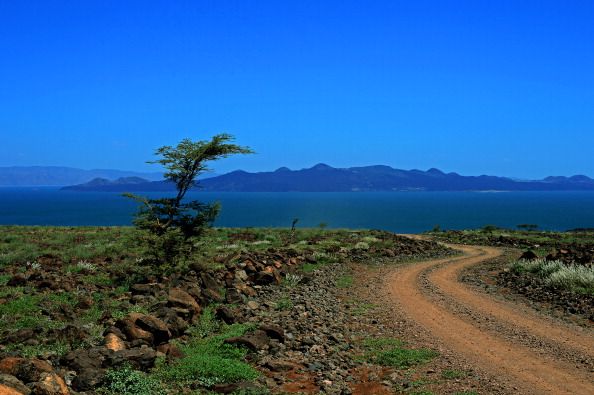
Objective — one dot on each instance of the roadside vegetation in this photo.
(64, 289)
(557, 274)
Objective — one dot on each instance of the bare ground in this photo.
(509, 347)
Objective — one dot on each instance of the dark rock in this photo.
(212, 295)
(529, 255)
(128, 326)
(17, 280)
(264, 278)
(71, 334)
(50, 384)
(144, 289)
(14, 383)
(274, 332)
(234, 387)
(255, 341)
(226, 315)
(177, 325)
(233, 296)
(88, 379)
(142, 358)
(19, 336)
(26, 370)
(85, 359)
(208, 281)
(155, 326)
(280, 366)
(171, 351)
(180, 298)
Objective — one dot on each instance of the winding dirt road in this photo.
(538, 355)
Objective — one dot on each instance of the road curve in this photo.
(530, 371)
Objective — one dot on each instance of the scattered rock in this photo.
(255, 341)
(50, 384)
(14, 383)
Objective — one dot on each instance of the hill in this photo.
(60, 176)
(324, 178)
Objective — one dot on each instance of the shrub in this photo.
(126, 381)
(171, 223)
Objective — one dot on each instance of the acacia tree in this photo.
(172, 223)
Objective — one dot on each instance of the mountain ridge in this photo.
(62, 175)
(325, 178)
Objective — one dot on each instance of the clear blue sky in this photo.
(478, 87)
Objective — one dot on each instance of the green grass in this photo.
(391, 352)
(127, 381)
(344, 281)
(284, 303)
(210, 361)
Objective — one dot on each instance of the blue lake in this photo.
(395, 211)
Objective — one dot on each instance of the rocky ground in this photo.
(276, 301)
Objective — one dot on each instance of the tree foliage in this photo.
(172, 222)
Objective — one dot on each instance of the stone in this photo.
(212, 295)
(253, 305)
(177, 325)
(233, 296)
(84, 359)
(14, 383)
(281, 366)
(529, 255)
(17, 280)
(88, 379)
(26, 370)
(155, 326)
(128, 326)
(144, 289)
(274, 332)
(264, 278)
(142, 358)
(113, 342)
(171, 351)
(255, 341)
(50, 384)
(6, 390)
(208, 281)
(180, 298)
(226, 315)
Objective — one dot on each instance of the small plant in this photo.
(575, 278)
(210, 361)
(362, 246)
(33, 265)
(390, 352)
(86, 266)
(292, 280)
(284, 303)
(344, 281)
(127, 381)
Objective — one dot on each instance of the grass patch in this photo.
(391, 352)
(574, 278)
(344, 281)
(210, 361)
(127, 381)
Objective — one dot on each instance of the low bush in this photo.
(575, 278)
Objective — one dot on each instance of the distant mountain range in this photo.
(61, 176)
(324, 178)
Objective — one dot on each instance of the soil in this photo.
(512, 347)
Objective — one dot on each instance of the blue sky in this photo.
(477, 87)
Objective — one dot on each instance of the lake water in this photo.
(410, 212)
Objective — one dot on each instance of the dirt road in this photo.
(536, 354)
